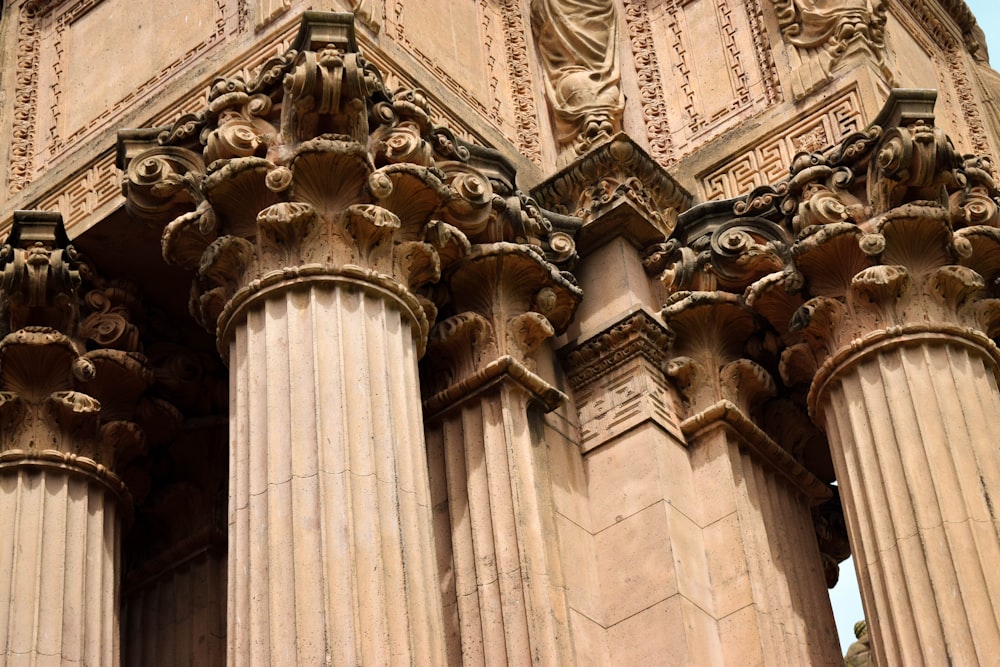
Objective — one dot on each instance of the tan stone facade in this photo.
(497, 332)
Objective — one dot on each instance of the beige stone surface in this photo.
(469, 425)
(932, 548)
(60, 558)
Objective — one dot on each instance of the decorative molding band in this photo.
(22, 168)
(875, 342)
(638, 335)
(927, 20)
(752, 438)
(519, 71)
(53, 459)
(621, 166)
(506, 367)
(308, 275)
(647, 65)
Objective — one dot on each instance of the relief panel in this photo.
(64, 90)
(719, 72)
(768, 161)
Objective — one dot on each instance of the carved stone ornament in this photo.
(577, 43)
(313, 171)
(825, 34)
(72, 378)
(888, 235)
(616, 171)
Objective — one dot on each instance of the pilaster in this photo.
(768, 585)
(650, 576)
(71, 382)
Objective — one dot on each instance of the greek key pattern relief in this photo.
(22, 168)
(622, 401)
(654, 111)
(769, 161)
(697, 122)
(519, 71)
(92, 191)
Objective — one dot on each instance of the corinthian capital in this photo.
(310, 171)
(72, 377)
(891, 235)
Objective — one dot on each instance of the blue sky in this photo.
(844, 596)
(987, 13)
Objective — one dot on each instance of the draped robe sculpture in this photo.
(577, 45)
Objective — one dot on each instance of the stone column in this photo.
(66, 429)
(312, 240)
(892, 335)
(906, 391)
(483, 392)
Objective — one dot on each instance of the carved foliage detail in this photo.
(314, 169)
(507, 300)
(72, 379)
(889, 234)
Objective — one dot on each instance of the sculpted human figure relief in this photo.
(824, 32)
(577, 45)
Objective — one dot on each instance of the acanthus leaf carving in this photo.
(319, 170)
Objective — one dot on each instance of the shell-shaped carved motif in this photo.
(881, 284)
(187, 236)
(330, 173)
(237, 191)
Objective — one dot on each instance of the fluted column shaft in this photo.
(59, 558)
(914, 437)
(331, 558)
(509, 585)
(178, 618)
